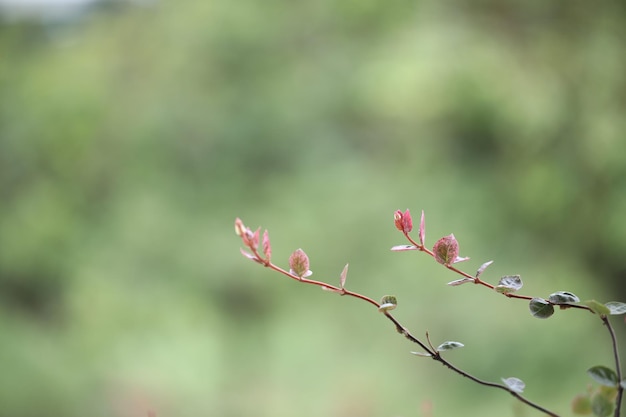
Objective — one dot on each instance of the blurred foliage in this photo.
(132, 135)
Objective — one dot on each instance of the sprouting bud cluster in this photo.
(298, 261)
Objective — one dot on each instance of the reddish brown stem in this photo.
(250, 240)
(435, 355)
(479, 281)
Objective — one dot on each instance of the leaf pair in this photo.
(542, 309)
(449, 345)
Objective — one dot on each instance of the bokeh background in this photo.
(133, 133)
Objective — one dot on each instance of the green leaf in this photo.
(540, 308)
(616, 308)
(388, 303)
(623, 383)
(509, 284)
(603, 375)
(562, 297)
(515, 384)
(423, 354)
(581, 404)
(598, 308)
(449, 346)
(601, 406)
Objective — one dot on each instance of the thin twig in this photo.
(618, 366)
(437, 357)
(479, 281)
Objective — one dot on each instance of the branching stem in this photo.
(250, 240)
(479, 281)
(429, 349)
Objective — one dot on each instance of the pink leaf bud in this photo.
(255, 238)
(446, 250)
(343, 276)
(240, 228)
(407, 221)
(267, 247)
(247, 237)
(397, 218)
(299, 264)
(403, 221)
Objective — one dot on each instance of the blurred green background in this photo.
(133, 133)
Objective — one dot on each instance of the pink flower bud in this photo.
(446, 250)
(299, 264)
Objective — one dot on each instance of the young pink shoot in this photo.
(403, 221)
(446, 250)
(299, 264)
(267, 247)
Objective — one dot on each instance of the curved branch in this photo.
(618, 366)
(250, 240)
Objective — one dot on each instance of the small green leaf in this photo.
(515, 384)
(540, 308)
(562, 297)
(388, 303)
(509, 284)
(581, 404)
(616, 308)
(423, 354)
(598, 308)
(603, 375)
(601, 406)
(449, 346)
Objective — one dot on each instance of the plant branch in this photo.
(420, 247)
(499, 386)
(618, 366)
(250, 239)
(435, 355)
